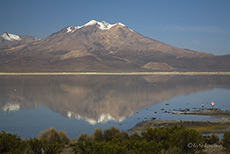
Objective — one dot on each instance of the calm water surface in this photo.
(79, 104)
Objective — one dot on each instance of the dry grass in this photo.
(211, 128)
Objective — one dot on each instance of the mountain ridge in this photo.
(9, 40)
(100, 46)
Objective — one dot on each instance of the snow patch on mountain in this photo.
(102, 25)
(71, 29)
(121, 24)
(10, 37)
(91, 22)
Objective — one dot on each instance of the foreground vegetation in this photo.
(165, 140)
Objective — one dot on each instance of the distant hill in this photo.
(8, 40)
(100, 46)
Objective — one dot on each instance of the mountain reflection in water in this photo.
(98, 99)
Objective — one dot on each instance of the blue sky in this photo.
(202, 25)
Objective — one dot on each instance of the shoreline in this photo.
(207, 112)
(206, 127)
(109, 73)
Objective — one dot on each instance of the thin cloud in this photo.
(205, 29)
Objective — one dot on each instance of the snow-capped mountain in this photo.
(101, 25)
(10, 37)
(8, 40)
(100, 46)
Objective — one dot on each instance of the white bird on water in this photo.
(212, 103)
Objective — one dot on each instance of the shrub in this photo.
(174, 137)
(52, 148)
(226, 141)
(11, 143)
(213, 139)
(182, 137)
(63, 137)
(84, 137)
(53, 141)
(167, 140)
(124, 135)
(172, 150)
(135, 136)
(155, 134)
(34, 146)
(98, 136)
(54, 136)
(50, 135)
(111, 133)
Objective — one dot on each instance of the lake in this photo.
(80, 103)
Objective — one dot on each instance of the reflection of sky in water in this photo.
(29, 122)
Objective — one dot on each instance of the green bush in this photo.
(111, 133)
(167, 140)
(11, 143)
(54, 136)
(213, 139)
(34, 146)
(51, 147)
(174, 137)
(98, 136)
(182, 137)
(43, 146)
(124, 135)
(135, 136)
(63, 137)
(172, 150)
(226, 141)
(49, 142)
(53, 141)
(84, 137)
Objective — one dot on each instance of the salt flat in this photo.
(114, 73)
